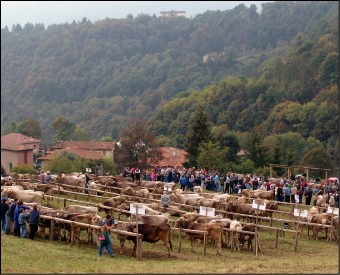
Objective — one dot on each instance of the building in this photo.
(20, 139)
(172, 157)
(172, 13)
(17, 150)
(82, 153)
(105, 148)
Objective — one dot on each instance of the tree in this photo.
(137, 146)
(30, 127)
(199, 132)
(211, 156)
(63, 129)
(230, 141)
(257, 152)
(318, 158)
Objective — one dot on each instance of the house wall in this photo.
(8, 157)
(16, 158)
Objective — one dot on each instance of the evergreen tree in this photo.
(257, 152)
(198, 132)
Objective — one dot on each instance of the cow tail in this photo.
(170, 244)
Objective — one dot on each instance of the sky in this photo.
(57, 12)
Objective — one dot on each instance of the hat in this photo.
(3, 198)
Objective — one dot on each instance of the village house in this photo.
(18, 149)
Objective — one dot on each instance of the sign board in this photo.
(88, 170)
(134, 207)
(258, 206)
(207, 211)
(301, 213)
(333, 210)
(168, 186)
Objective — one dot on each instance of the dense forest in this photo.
(276, 69)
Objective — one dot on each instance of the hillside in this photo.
(98, 75)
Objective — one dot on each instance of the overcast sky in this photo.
(49, 12)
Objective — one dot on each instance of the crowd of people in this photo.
(292, 190)
(15, 214)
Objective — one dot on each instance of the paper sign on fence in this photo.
(134, 207)
(260, 206)
(333, 210)
(301, 213)
(207, 211)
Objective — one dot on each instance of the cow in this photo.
(236, 227)
(46, 223)
(73, 180)
(152, 234)
(81, 209)
(247, 237)
(321, 201)
(323, 218)
(243, 199)
(239, 208)
(151, 219)
(213, 203)
(198, 189)
(190, 216)
(143, 194)
(223, 198)
(47, 189)
(207, 219)
(129, 191)
(225, 223)
(335, 230)
(87, 219)
(111, 202)
(214, 232)
(27, 196)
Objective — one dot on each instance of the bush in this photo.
(24, 169)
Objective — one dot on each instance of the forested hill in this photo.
(97, 75)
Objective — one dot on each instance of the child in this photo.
(22, 222)
(105, 241)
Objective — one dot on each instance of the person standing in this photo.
(42, 177)
(183, 182)
(10, 216)
(34, 221)
(137, 173)
(22, 222)
(48, 177)
(227, 184)
(16, 217)
(165, 199)
(109, 222)
(105, 241)
(217, 183)
(286, 191)
(4, 209)
(308, 194)
(293, 192)
(87, 182)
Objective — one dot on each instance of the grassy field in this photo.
(42, 256)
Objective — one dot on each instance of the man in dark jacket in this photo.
(16, 217)
(10, 216)
(4, 209)
(34, 221)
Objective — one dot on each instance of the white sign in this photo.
(134, 207)
(207, 211)
(333, 210)
(300, 213)
(168, 186)
(88, 170)
(258, 206)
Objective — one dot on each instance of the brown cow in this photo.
(152, 234)
(241, 209)
(214, 232)
(151, 219)
(247, 237)
(213, 203)
(129, 191)
(191, 216)
(323, 218)
(111, 202)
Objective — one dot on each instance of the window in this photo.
(10, 166)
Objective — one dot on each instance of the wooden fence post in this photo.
(52, 230)
(277, 238)
(180, 240)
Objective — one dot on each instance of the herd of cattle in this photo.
(155, 225)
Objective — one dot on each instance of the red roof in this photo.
(172, 157)
(15, 146)
(83, 153)
(88, 145)
(17, 138)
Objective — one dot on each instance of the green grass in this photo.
(42, 256)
